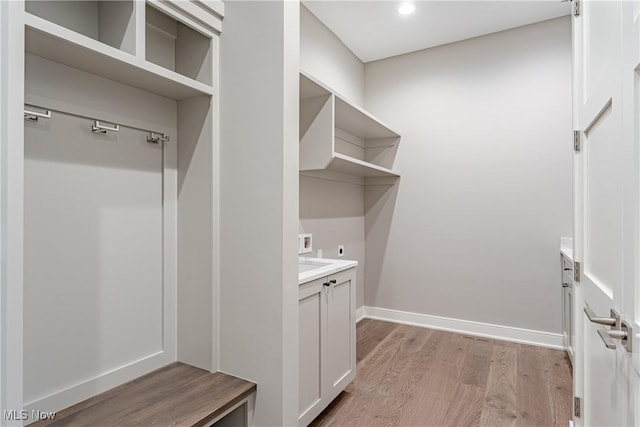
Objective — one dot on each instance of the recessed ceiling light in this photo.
(406, 8)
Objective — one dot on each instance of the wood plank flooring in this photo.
(411, 376)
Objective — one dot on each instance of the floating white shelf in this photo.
(341, 141)
(350, 166)
(359, 122)
(57, 43)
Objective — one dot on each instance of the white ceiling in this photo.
(373, 29)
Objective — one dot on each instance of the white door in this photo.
(606, 96)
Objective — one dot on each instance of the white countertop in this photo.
(314, 268)
(566, 247)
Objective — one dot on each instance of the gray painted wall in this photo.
(332, 211)
(472, 231)
(324, 56)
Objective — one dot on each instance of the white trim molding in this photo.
(11, 209)
(487, 330)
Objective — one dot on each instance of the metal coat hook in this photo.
(157, 138)
(101, 129)
(33, 116)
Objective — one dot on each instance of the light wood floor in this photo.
(411, 376)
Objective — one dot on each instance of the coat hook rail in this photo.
(102, 129)
(31, 113)
(33, 116)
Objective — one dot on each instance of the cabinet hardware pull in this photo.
(325, 284)
(333, 281)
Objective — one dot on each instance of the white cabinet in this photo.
(327, 329)
(567, 305)
(342, 141)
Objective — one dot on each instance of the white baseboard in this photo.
(360, 314)
(64, 398)
(505, 333)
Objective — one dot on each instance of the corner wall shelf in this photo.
(341, 141)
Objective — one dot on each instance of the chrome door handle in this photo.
(613, 321)
(619, 334)
(620, 329)
(608, 342)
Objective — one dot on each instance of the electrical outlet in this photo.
(340, 250)
(306, 245)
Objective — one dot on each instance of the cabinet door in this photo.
(567, 305)
(311, 315)
(341, 332)
(570, 322)
(566, 319)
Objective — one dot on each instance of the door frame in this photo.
(11, 206)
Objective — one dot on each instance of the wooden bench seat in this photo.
(175, 395)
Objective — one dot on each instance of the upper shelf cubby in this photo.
(341, 140)
(173, 45)
(110, 22)
(163, 47)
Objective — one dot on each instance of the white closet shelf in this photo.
(51, 41)
(348, 116)
(360, 123)
(340, 140)
(310, 87)
(352, 166)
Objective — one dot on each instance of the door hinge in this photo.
(576, 7)
(576, 271)
(577, 407)
(576, 141)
